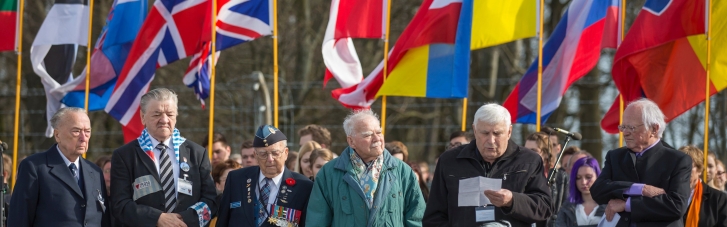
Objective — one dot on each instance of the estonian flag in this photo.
(54, 49)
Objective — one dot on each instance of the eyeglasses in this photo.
(265, 155)
(628, 128)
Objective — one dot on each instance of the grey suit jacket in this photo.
(47, 194)
(142, 207)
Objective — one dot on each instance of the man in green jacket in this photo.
(365, 186)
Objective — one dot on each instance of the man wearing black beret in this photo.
(268, 194)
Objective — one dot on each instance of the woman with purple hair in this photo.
(581, 209)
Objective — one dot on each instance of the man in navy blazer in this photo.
(268, 194)
(58, 187)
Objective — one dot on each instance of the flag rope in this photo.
(18, 81)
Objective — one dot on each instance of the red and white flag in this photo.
(350, 19)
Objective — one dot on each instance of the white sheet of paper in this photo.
(612, 223)
(472, 190)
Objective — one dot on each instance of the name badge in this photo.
(184, 186)
(485, 214)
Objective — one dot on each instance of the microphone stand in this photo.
(4, 189)
(551, 179)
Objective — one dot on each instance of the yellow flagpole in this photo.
(540, 66)
(464, 114)
(707, 90)
(275, 61)
(88, 57)
(18, 81)
(620, 97)
(212, 78)
(386, 64)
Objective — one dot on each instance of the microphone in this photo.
(573, 135)
(3, 146)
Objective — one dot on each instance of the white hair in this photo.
(651, 115)
(350, 121)
(492, 113)
(159, 94)
(55, 121)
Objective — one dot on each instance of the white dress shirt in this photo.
(68, 162)
(172, 158)
(273, 189)
(586, 219)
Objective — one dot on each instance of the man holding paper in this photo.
(509, 176)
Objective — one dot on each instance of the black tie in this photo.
(167, 176)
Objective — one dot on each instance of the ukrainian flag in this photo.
(431, 59)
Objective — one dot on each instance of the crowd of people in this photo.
(164, 179)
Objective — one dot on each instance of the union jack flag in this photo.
(176, 29)
(238, 21)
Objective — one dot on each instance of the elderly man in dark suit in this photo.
(162, 179)
(646, 183)
(268, 194)
(58, 187)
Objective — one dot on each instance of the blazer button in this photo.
(83, 205)
(344, 198)
(394, 195)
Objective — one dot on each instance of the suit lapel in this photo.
(148, 161)
(90, 180)
(183, 157)
(61, 171)
(249, 202)
(285, 190)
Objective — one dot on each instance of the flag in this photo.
(663, 58)
(53, 52)
(8, 24)
(350, 19)
(438, 37)
(170, 32)
(572, 50)
(238, 21)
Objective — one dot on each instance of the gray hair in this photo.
(651, 115)
(350, 121)
(55, 121)
(159, 94)
(492, 113)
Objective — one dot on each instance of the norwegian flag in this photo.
(238, 21)
(170, 32)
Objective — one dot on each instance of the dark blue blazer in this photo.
(47, 194)
(236, 190)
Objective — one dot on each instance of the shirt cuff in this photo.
(628, 205)
(635, 190)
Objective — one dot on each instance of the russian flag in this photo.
(572, 50)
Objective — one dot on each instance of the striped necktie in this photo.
(264, 196)
(167, 176)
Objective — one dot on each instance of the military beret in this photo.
(267, 135)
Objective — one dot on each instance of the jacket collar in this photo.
(470, 151)
(60, 170)
(343, 162)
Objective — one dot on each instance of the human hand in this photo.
(614, 206)
(171, 220)
(651, 191)
(500, 198)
